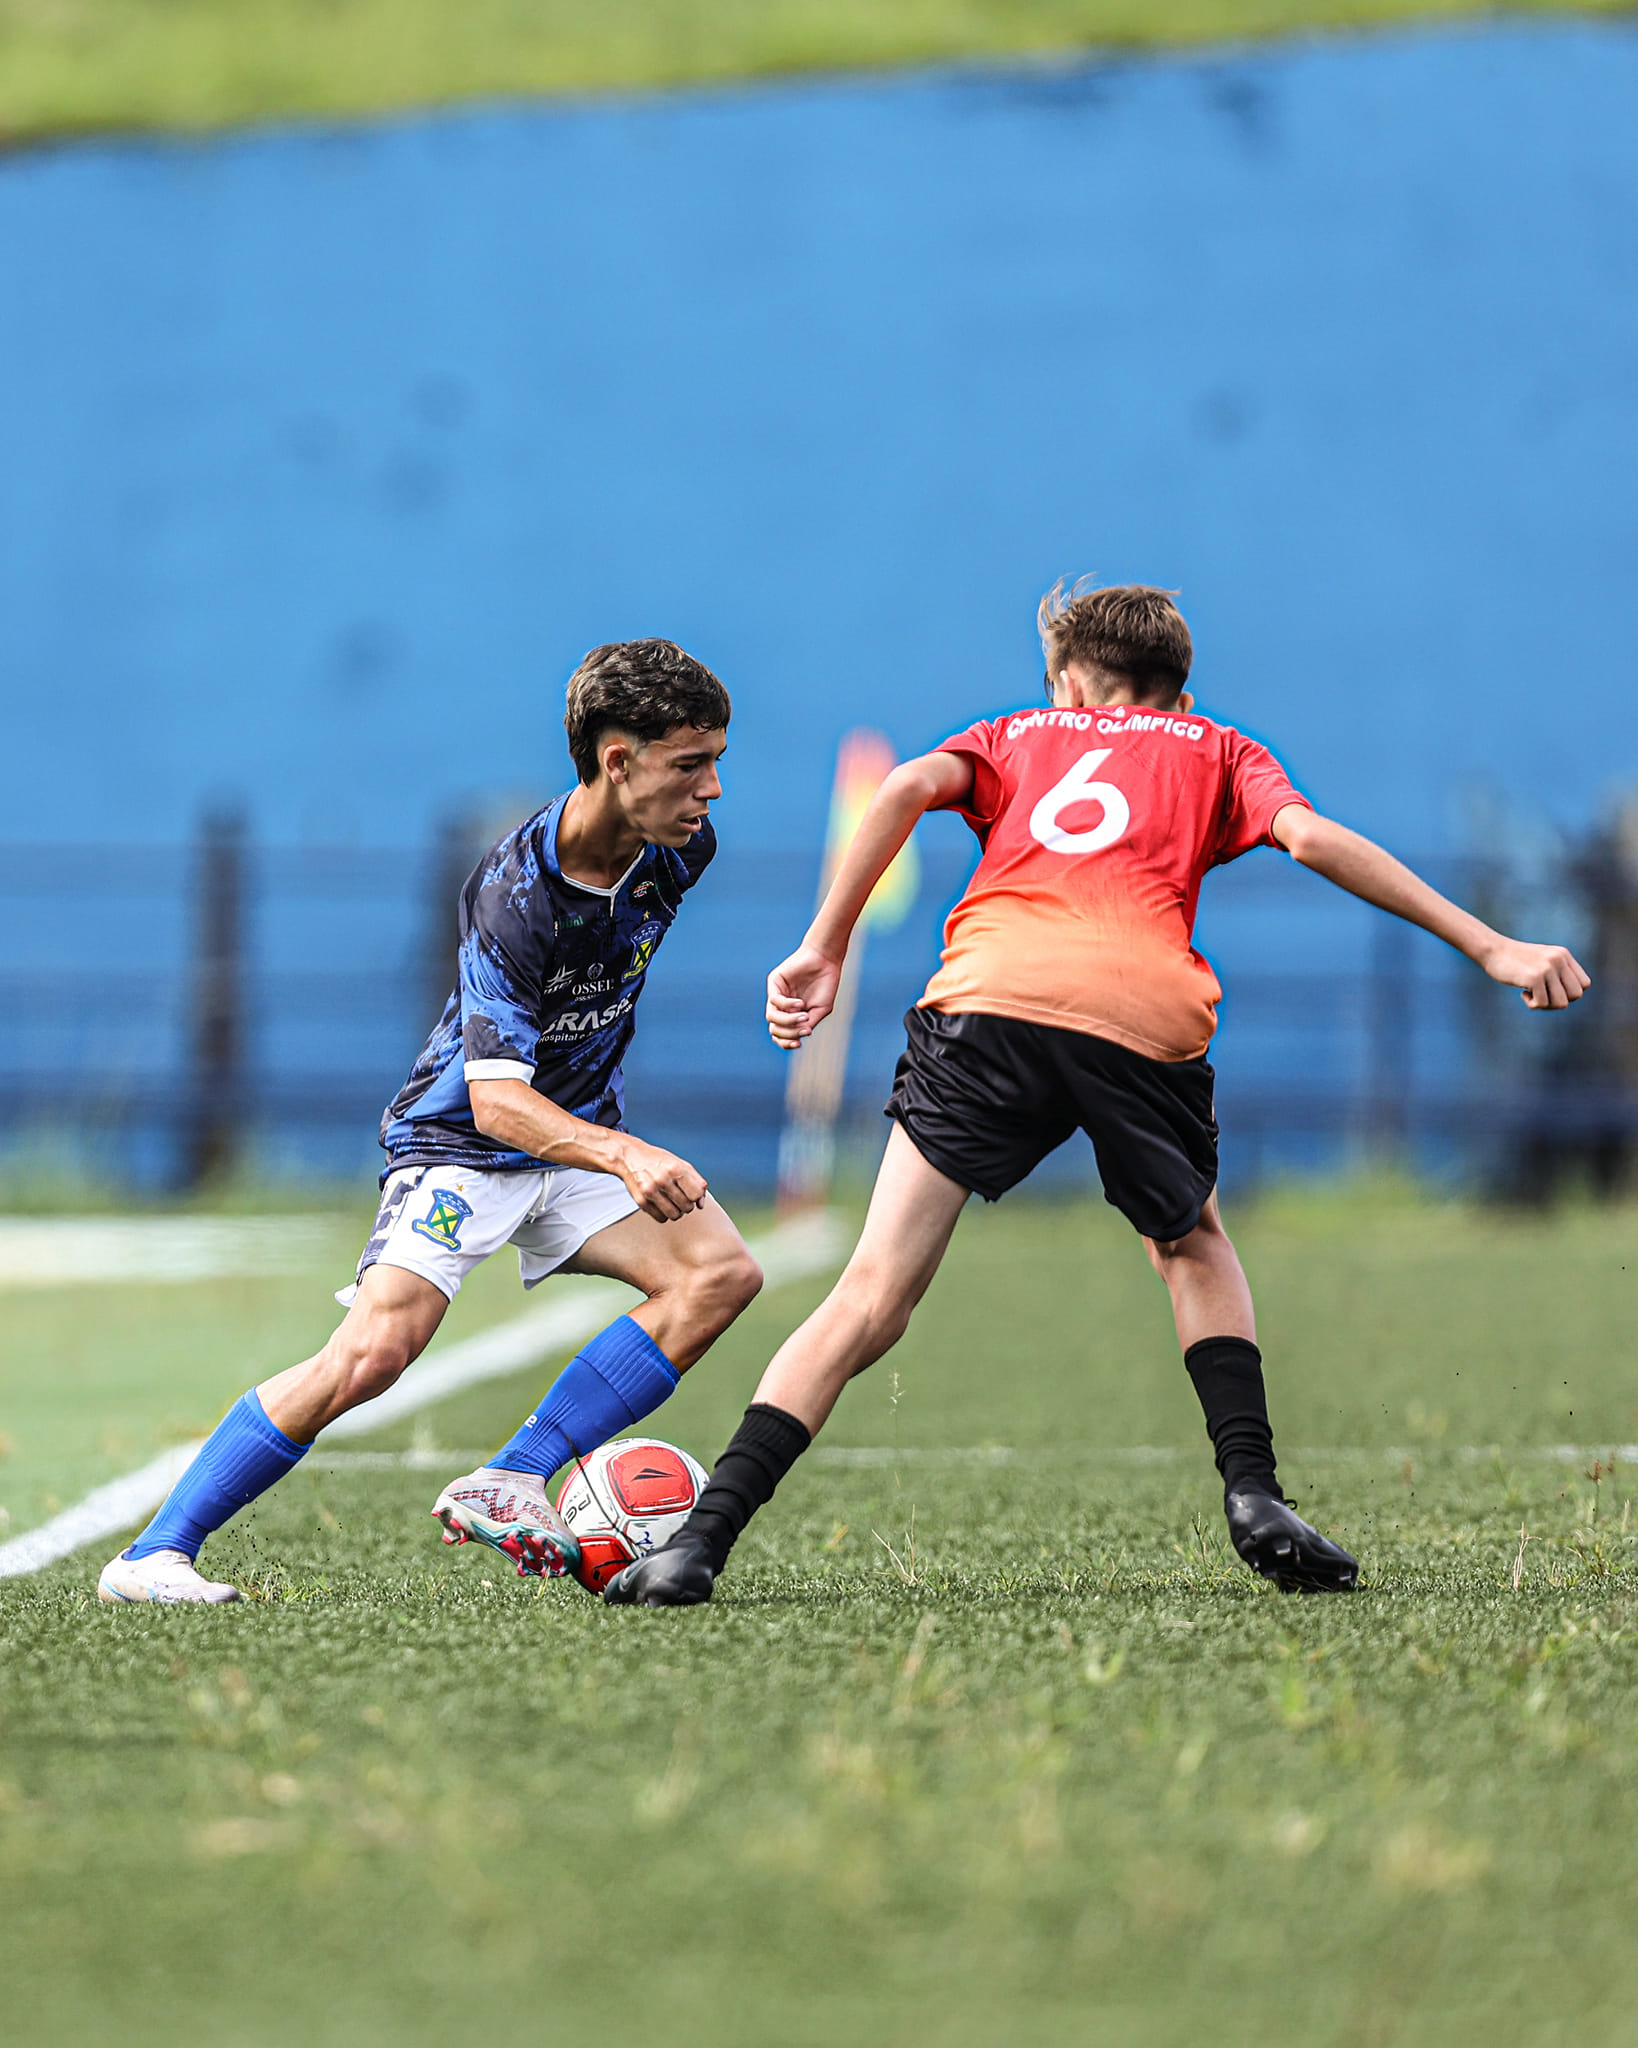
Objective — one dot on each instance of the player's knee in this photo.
(884, 1310)
(880, 1334)
(743, 1279)
(376, 1370)
(372, 1362)
(719, 1290)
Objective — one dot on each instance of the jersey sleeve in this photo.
(988, 796)
(508, 935)
(1258, 789)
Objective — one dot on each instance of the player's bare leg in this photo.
(394, 1316)
(391, 1320)
(913, 1210)
(696, 1272)
(696, 1275)
(1207, 1284)
(1217, 1329)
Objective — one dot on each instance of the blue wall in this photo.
(324, 455)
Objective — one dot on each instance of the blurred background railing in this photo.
(181, 1014)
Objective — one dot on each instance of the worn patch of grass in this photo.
(72, 66)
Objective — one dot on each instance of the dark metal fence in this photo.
(181, 1013)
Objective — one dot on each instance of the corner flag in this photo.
(813, 1094)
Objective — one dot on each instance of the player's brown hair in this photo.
(1128, 628)
(642, 688)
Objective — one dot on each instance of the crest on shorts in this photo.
(442, 1222)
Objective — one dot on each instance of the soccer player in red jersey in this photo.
(1070, 996)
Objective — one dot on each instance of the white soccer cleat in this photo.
(168, 1578)
(510, 1512)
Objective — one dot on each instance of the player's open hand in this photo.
(801, 994)
(1548, 977)
(662, 1185)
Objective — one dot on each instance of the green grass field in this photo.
(1065, 1774)
(70, 66)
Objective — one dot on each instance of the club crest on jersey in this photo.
(442, 1222)
(642, 950)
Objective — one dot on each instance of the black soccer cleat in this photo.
(675, 1575)
(1281, 1546)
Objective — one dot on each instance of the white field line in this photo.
(792, 1251)
(87, 1251)
(871, 1455)
(1163, 1454)
(867, 1456)
(114, 1506)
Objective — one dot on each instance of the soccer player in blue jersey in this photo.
(511, 1129)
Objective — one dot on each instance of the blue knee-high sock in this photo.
(621, 1376)
(240, 1458)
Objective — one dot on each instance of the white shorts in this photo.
(442, 1221)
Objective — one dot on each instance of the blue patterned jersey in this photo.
(549, 975)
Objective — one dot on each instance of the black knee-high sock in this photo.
(1228, 1376)
(762, 1450)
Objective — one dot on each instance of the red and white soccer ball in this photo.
(626, 1500)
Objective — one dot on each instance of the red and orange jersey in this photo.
(1097, 828)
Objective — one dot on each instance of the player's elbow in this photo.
(903, 789)
(489, 1107)
(1301, 832)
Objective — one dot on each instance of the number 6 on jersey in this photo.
(1078, 787)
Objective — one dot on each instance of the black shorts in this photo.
(985, 1099)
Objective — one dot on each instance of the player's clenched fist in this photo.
(662, 1185)
(1548, 977)
(801, 994)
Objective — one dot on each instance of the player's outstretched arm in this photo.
(802, 988)
(1548, 977)
(662, 1185)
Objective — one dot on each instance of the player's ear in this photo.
(1185, 700)
(616, 758)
